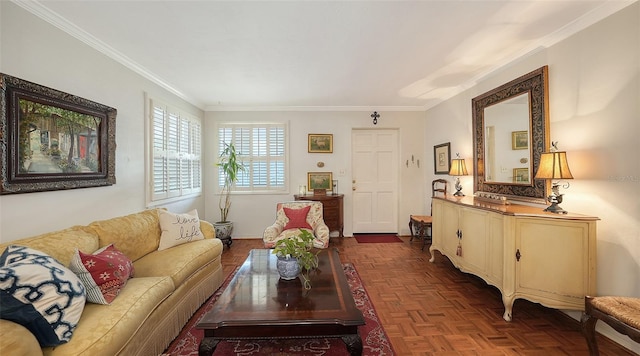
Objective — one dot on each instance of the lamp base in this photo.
(458, 192)
(556, 209)
(555, 199)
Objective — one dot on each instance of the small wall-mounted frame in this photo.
(319, 180)
(442, 158)
(521, 175)
(53, 140)
(320, 143)
(520, 140)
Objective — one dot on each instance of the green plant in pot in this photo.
(230, 167)
(295, 256)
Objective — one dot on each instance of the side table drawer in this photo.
(330, 204)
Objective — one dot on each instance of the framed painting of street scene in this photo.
(53, 140)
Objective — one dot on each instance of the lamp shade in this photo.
(458, 167)
(553, 165)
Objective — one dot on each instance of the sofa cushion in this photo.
(61, 244)
(104, 273)
(41, 294)
(18, 339)
(106, 329)
(179, 262)
(135, 235)
(297, 218)
(178, 229)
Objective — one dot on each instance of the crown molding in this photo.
(314, 108)
(40, 10)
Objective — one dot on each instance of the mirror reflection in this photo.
(507, 141)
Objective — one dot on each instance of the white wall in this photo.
(33, 50)
(594, 86)
(251, 214)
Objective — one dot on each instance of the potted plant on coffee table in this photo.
(296, 258)
(230, 167)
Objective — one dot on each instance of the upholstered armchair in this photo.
(294, 215)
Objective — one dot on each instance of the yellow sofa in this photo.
(167, 288)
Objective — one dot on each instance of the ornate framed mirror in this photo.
(510, 132)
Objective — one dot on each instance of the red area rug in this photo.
(376, 238)
(374, 338)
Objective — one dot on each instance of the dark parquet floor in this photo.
(434, 309)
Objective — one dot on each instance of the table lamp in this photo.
(458, 168)
(554, 166)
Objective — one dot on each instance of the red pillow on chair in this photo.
(297, 218)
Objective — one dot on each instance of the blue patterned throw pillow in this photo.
(41, 294)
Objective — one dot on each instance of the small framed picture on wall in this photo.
(320, 143)
(442, 158)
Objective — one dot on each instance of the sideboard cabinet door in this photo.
(555, 265)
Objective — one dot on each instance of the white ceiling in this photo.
(229, 55)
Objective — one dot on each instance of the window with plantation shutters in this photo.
(176, 168)
(262, 149)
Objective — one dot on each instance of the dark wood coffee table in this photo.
(258, 305)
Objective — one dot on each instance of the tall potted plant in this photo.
(230, 167)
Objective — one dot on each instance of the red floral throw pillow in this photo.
(104, 273)
(297, 218)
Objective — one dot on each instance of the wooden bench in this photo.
(621, 313)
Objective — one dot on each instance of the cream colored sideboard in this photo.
(524, 251)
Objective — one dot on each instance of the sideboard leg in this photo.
(508, 307)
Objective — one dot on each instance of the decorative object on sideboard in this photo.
(492, 198)
(375, 117)
(458, 168)
(554, 166)
(53, 140)
(319, 180)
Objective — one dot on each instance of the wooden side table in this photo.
(332, 210)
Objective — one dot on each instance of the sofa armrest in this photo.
(271, 234)
(17, 340)
(207, 229)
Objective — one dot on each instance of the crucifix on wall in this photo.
(375, 117)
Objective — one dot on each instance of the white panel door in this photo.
(374, 157)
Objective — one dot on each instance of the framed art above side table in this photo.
(442, 158)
